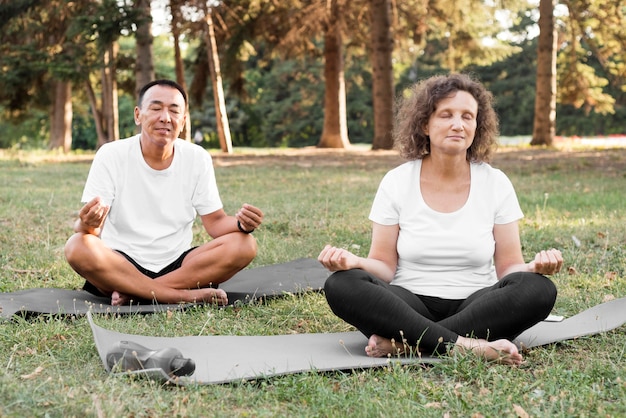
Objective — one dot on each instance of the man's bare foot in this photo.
(500, 351)
(208, 295)
(378, 346)
(119, 299)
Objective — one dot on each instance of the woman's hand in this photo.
(337, 259)
(547, 262)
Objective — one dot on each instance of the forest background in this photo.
(286, 73)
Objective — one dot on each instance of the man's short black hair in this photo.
(162, 82)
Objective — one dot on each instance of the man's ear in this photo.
(137, 113)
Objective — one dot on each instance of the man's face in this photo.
(162, 114)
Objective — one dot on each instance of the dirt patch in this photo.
(609, 160)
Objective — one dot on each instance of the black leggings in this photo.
(504, 310)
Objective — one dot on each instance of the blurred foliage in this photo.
(274, 80)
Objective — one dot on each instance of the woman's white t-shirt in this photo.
(447, 255)
(152, 211)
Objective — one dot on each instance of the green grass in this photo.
(50, 366)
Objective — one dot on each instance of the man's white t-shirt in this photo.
(152, 211)
(447, 255)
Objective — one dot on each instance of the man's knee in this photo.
(81, 252)
(247, 248)
(72, 248)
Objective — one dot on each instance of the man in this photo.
(133, 236)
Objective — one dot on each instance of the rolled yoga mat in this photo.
(223, 358)
(297, 276)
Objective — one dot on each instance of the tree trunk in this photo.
(110, 113)
(545, 97)
(61, 117)
(144, 63)
(95, 111)
(382, 73)
(221, 118)
(335, 132)
(178, 62)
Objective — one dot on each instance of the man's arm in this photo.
(91, 217)
(218, 223)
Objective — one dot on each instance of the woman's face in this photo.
(452, 126)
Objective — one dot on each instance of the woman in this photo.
(445, 268)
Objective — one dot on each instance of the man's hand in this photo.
(249, 217)
(91, 216)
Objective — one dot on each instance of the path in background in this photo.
(600, 141)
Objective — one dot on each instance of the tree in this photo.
(545, 96)
(381, 49)
(42, 53)
(223, 130)
(61, 117)
(176, 23)
(110, 114)
(144, 65)
(105, 33)
(595, 33)
(335, 132)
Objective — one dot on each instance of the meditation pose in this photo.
(133, 237)
(445, 269)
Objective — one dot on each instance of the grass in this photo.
(573, 200)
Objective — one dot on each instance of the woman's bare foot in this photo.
(500, 351)
(378, 346)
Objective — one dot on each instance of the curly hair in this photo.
(413, 113)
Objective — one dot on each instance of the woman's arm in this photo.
(508, 254)
(381, 261)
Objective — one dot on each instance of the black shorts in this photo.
(174, 265)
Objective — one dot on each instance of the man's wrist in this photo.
(243, 230)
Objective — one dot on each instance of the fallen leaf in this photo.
(519, 411)
(36, 373)
(608, 298)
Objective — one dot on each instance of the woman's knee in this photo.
(539, 290)
(340, 287)
(548, 289)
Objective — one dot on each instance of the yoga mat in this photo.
(226, 358)
(597, 319)
(248, 285)
(221, 359)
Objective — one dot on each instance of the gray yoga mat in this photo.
(221, 359)
(225, 358)
(297, 276)
(600, 318)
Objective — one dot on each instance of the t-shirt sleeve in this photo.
(508, 209)
(99, 180)
(206, 197)
(385, 208)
